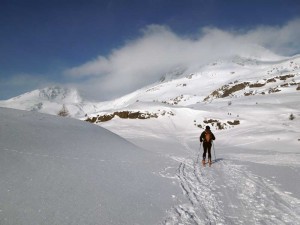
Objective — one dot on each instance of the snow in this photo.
(49, 100)
(256, 177)
(64, 171)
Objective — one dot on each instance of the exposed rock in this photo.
(271, 80)
(285, 77)
(234, 88)
(249, 93)
(126, 115)
(256, 85)
(231, 88)
(218, 124)
(235, 122)
(273, 90)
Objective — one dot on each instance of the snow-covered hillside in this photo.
(228, 78)
(253, 108)
(51, 100)
(63, 171)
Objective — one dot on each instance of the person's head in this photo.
(207, 128)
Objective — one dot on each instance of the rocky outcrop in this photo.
(219, 125)
(253, 88)
(127, 115)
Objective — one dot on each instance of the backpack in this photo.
(207, 137)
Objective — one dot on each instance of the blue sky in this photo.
(43, 42)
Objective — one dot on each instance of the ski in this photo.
(204, 163)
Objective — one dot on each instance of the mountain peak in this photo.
(60, 94)
(56, 94)
(48, 100)
(173, 74)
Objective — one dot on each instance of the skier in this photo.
(207, 137)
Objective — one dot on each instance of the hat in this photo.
(207, 128)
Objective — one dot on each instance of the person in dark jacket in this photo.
(207, 137)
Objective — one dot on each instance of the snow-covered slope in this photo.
(51, 100)
(63, 171)
(228, 78)
(252, 107)
(237, 76)
(255, 175)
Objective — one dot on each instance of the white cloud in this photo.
(282, 40)
(159, 50)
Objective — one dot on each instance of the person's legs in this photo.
(209, 151)
(204, 150)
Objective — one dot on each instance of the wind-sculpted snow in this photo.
(63, 171)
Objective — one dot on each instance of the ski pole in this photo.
(214, 152)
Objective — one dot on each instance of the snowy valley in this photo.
(139, 162)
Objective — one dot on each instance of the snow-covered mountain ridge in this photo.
(235, 95)
(232, 78)
(50, 100)
(53, 94)
(223, 80)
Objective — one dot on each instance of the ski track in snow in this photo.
(228, 193)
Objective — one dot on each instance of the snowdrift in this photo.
(63, 171)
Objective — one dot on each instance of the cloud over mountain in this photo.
(159, 50)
